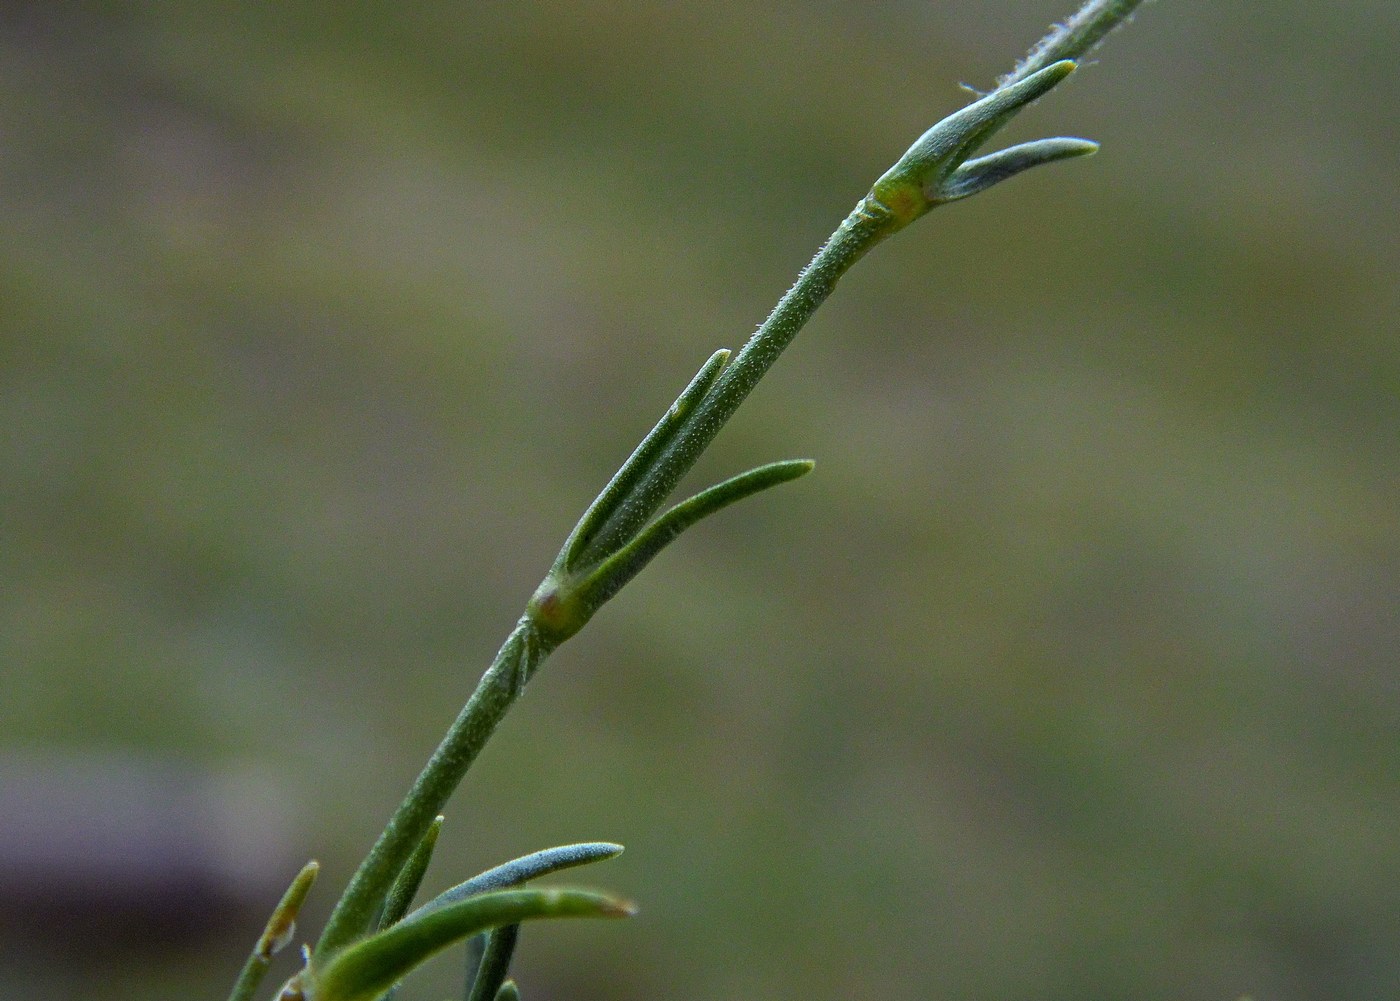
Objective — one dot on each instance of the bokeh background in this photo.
(1071, 673)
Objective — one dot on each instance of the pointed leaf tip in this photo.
(620, 909)
(978, 175)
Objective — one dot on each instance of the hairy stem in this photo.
(868, 224)
(1077, 37)
(519, 657)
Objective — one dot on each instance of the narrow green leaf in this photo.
(410, 877)
(508, 992)
(978, 175)
(620, 568)
(405, 886)
(280, 929)
(366, 969)
(585, 544)
(495, 963)
(520, 870)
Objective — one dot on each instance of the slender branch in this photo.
(519, 657)
(1077, 37)
(868, 224)
(491, 972)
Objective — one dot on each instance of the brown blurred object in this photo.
(106, 850)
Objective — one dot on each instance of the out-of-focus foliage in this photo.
(319, 325)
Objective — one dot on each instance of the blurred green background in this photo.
(1071, 673)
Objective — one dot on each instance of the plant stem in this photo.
(519, 657)
(1077, 37)
(526, 648)
(868, 224)
(495, 963)
(938, 172)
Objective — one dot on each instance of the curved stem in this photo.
(526, 648)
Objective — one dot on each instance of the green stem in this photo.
(1077, 37)
(519, 657)
(868, 224)
(495, 963)
(526, 648)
